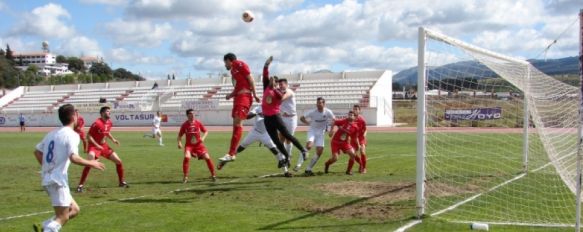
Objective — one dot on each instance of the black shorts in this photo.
(21, 123)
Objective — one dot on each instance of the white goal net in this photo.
(497, 138)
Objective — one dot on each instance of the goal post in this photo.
(580, 129)
(497, 140)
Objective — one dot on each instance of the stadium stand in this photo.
(341, 90)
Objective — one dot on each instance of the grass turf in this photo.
(241, 200)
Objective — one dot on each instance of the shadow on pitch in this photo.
(276, 226)
(152, 200)
(239, 188)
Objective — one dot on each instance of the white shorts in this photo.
(291, 123)
(60, 195)
(316, 137)
(253, 136)
(155, 131)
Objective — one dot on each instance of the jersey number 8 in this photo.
(50, 154)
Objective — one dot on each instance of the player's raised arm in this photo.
(265, 78)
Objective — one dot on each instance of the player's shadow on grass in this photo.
(151, 200)
(276, 226)
(157, 182)
(227, 189)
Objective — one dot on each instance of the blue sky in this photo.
(160, 37)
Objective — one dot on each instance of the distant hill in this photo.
(473, 69)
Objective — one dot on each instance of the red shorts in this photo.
(197, 151)
(361, 141)
(241, 105)
(344, 147)
(105, 152)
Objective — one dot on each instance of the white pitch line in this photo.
(24, 215)
(408, 226)
(452, 207)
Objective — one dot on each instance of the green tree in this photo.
(75, 64)
(8, 74)
(9, 53)
(101, 69)
(62, 59)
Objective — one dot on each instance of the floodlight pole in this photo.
(421, 80)
(580, 131)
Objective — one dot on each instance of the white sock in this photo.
(53, 226)
(160, 139)
(300, 160)
(314, 161)
(285, 169)
(288, 148)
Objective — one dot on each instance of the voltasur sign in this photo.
(473, 114)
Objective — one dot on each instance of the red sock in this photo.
(185, 166)
(211, 166)
(350, 164)
(237, 132)
(119, 168)
(84, 175)
(363, 160)
(357, 160)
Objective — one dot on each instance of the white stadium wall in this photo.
(381, 98)
(210, 118)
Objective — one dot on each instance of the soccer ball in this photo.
(247, 16)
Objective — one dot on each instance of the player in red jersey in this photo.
(79, 128)
(347, 130)
(243, 95)
(98, 147)
(194, 144)
(360, 147)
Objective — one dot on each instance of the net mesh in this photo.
(476, 145)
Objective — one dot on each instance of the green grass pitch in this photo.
(241, 200)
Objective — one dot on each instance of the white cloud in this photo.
(106, 2)
(79, 46)
(125, 56)
(140, 33)
(47, 21)
(18, 45)
(203, 8)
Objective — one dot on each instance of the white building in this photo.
(37, 58)
(54, 69)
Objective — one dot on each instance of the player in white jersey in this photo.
(258, 133)
(320, 119)
(55, 153)
(289, 116)
(156, 132)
